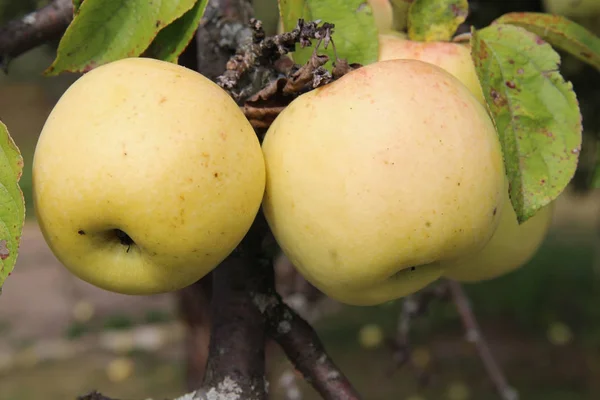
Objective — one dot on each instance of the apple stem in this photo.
(34, 29)
(474, 335)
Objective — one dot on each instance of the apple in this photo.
(146, 176)
(511, 247)
(454, 57)
(376, 179)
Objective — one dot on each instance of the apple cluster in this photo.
(147, 175)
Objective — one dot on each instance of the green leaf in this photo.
(108, 30)
(536, 113)
(435, 20)
(355, 35)
(171, 41)
(560, 32)
(12, 203)
(76, 5)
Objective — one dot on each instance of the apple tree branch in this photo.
(34, 29)
(474, 335)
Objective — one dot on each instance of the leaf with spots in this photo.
(172, 40)
(536, 113)
(435, 20)
(560, 32)
(109, 30)
(355, 35)
(12, 203)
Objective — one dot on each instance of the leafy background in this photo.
(542, 321)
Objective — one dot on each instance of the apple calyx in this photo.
(124, 238)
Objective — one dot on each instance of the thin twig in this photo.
(474, 335)
(34, 29)
(304, 349)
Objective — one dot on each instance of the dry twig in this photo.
(34, 29)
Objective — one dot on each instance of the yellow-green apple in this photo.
(454, 57)
(146, 175)
(511, 247)
(378, 177)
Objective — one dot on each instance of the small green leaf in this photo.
(76, 5)
(536, 113)
(171, 41)
(12, 203)
(108, 30)
(560, 32)
(355, 34)
(435, 20)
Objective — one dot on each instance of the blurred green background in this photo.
(543, 321)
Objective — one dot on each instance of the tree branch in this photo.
(34, 29)
(237, 345)
(303, 348)
(474, 335)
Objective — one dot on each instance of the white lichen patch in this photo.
(284, 327)
(188, 396)
(262, 302)
(29, 19)
(228, 389)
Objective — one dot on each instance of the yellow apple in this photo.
(511, 247)
(453, 57)
(375, 179)
(146, 176)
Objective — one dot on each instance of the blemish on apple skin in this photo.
(216, 175)
(510, 84)
(81, 232)
(495, 211)
(162, 100)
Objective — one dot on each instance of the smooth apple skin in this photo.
(511, 247)
(155, 150)
(376, 173)
(452, 57)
